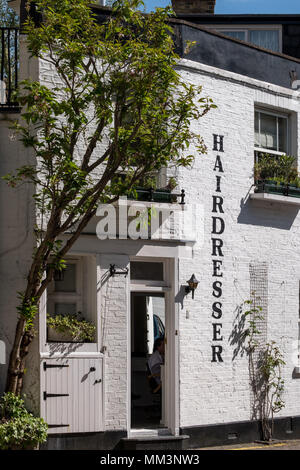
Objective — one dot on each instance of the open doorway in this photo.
(148, 314)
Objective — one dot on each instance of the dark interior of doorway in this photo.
(147, 323)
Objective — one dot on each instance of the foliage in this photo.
(281, 168)
(19, 429)
(75, 325)
(265, 363)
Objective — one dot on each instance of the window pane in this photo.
(256, 130)
(282, 126)
(147, 271)
(65, 309)
(268, 131)
(68, 283)
(235, 34)
(268, 39)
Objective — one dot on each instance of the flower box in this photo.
(55, 336)
(70, 329)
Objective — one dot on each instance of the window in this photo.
(146, 271)
(65, 291)
(268, 38)
(271, 132)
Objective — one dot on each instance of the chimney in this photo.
(182, 7)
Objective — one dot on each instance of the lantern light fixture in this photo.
(192, 285)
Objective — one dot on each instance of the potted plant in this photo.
(19, 429)
(277, 174)
(70, 329)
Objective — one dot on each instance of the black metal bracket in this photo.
(51, 366)
(113, 271)
(52, 395)
(58, 425)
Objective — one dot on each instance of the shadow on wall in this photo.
(180, 296)
(267, 214)
(237, 336)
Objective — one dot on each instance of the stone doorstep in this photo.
(158, 438)
(159, 442)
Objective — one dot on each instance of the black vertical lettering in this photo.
(217, 332)
(218, 204)
(218, 165)
(217, 244)
(215, 228)
(218, 188)
(217, 263)
(217, 353)
(218, 143)
(217, 287)
(217, 310)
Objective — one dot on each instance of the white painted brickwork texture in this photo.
(255, 232)
(114, 304)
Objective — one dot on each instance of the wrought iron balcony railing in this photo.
(157, 195)
(281, 189)
(9, 68)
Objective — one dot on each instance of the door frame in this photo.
(169, 287)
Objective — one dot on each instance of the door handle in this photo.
(92, 369)
(97, 381)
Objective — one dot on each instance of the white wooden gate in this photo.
(72, 394)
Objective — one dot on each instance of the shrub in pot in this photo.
(19, 429)
(276, 169)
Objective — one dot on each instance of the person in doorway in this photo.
(157, 359)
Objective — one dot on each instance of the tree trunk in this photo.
(16, 366)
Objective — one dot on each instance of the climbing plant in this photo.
(265, 370)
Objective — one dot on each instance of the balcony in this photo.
(272, 191)
(157, 195)
(9, 69)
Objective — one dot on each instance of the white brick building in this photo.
(245, 241)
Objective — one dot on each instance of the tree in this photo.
(119, 104)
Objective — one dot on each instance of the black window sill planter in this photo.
(157, 195)
(10, 108)
(281, 189)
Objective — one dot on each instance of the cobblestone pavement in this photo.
(277, 445)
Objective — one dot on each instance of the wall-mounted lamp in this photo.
(113, 271)
(192, 285)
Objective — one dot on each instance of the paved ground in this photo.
(277, 445)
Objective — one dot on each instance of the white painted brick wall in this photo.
(219, 392)
(114, 303)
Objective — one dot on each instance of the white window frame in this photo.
(146, 284)
(247, 28)
(278, 115)
(68, 297)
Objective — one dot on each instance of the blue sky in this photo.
(242, 6)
